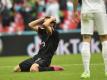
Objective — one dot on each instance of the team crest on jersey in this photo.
(43, 44)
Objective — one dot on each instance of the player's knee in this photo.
(103, 38)
(34, 70)
(17, 69)
(87, 38)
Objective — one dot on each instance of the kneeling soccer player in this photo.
(50, 39)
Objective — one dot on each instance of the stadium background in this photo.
(16, 38)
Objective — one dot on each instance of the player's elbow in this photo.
(30, 25)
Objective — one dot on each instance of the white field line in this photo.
(96, 64)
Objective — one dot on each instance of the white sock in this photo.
(85, 52)
(104, 53)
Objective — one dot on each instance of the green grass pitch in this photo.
(71, 63)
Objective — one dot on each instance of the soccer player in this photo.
(50, 39)
(93, 16)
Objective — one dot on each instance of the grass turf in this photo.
(71, 63)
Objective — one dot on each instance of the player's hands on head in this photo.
(50, 18)
(53, 18)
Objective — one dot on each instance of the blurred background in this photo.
(16, 38)
(16, 14)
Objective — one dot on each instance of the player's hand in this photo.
(53, 18)
(75, 14)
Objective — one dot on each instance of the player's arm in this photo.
(75, 6)
(47, 23)
(35, 24)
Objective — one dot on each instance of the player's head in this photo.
(53, 23)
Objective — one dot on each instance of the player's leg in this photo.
(42, 69)
(34, 67)
(24, 66)
(51, 68)
(57, 68)
(85, 52)
(86, 31)
(44, 65)
(17, 69)
(104, 51)
(101, 23)
(40, 65)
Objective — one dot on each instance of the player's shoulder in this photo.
(55, 33)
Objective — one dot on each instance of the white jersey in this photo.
(90, 6)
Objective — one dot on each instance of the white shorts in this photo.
(91, 22)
